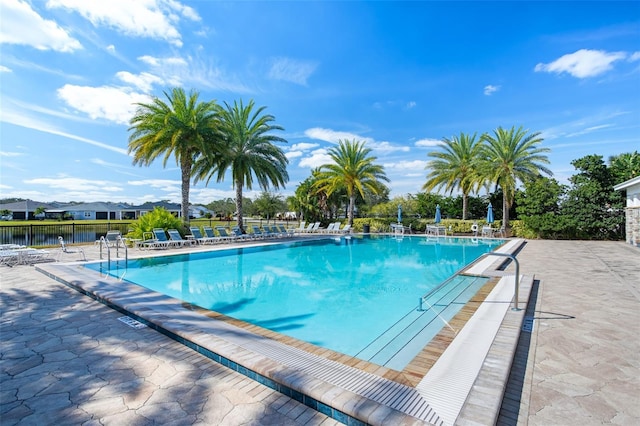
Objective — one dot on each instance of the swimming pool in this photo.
(357, 295)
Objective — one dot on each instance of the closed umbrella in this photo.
(399, 213)
(438, 214)
(490, 214)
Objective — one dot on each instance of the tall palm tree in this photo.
(248, 151)
(456, 167)
(512, 155)
(353, 169)
(178, 127)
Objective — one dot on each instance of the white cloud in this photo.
(110, 103)
(291, 70)
(111, 48)
(143, 81)
(77, 185)
(387, 147)
(635, 56)
(407, 166)
(162, 184)
(332, 136)
(10, 154)
(428, 143)
(583, 63)
(293, 154)
(318, 158)
(489, 89)
(22, 118)
(20, 24)
(589, 130)
(411, 105)
(303, 146)
(192, 71)
(5, 69)
(156, 19)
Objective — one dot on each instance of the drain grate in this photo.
(527, 324)
(131, 322)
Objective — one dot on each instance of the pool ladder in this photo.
(119, 241)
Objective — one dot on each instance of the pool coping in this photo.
(345, 393)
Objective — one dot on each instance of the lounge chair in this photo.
(154, 240)
(240, 235)
(176, 238)
(224, 235)
(64, 249)
(286, 232)
(201, 239)
(161, 236)
(113, 238)
(301, 228)
(487, 231)
(345, 229)
(277, 232)
(315, 227)
(257, 232)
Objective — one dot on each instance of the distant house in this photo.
(198, 211)
(24, 210)
(141, 210)
(88, 211)
(632, 210)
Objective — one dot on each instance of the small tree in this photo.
(158, 218)
(539, 207)
(39, 211)
(268, 204)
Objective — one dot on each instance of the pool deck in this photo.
(67, 357)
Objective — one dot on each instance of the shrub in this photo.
(158, 218)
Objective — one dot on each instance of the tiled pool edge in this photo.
(353, 408)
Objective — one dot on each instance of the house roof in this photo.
(150, 206)
(24, 206)
(629, 183)
(98, 207)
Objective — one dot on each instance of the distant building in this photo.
(632, 209)
(24, 210)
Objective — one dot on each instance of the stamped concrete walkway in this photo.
(581, 363)
(68, 359)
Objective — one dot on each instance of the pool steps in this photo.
(399, 344)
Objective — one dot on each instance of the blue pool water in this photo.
(352, 294)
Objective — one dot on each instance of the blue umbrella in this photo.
(399, 213)
(490, 214)
(438, 215)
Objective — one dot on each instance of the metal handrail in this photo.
(103, 242)
(517, 280)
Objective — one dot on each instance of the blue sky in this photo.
(398, 75)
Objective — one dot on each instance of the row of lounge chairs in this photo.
(207, 235)
(236, 234)
(158, 239)
(14, 254)
(314, 228)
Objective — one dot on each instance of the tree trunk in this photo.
(185, 169)
(239, 205)
(464, 206)
(505, 210)
(352, 206)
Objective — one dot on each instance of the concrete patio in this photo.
(68, 359)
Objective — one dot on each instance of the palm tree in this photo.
(248, 150)
(509, 156)
(178, 127)
(352, 170)
(456, 167)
